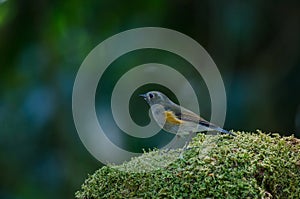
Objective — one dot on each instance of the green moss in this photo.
(249, 165)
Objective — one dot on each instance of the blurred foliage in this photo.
(245, 166)
(255, 44)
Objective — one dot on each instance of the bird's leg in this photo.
(188, 140)
(174, 142)
(186, 144)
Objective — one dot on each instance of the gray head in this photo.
(155, 97)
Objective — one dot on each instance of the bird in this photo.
(176, 119)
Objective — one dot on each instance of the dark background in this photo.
(255, 45)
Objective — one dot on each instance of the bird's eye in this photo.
(151, 95)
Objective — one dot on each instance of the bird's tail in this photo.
(223, 131)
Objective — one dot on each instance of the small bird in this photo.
(176, 119)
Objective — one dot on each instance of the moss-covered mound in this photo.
(249, 165)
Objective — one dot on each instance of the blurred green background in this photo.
(255, 44)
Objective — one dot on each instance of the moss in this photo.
(249, 165)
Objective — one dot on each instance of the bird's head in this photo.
(155, 97)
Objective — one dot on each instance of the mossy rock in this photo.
(249, 165)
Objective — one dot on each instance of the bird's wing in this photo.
(187, 115)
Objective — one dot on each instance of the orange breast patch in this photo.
(171, 118)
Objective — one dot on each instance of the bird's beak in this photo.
(143, 96)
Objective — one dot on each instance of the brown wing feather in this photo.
(187, 115)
